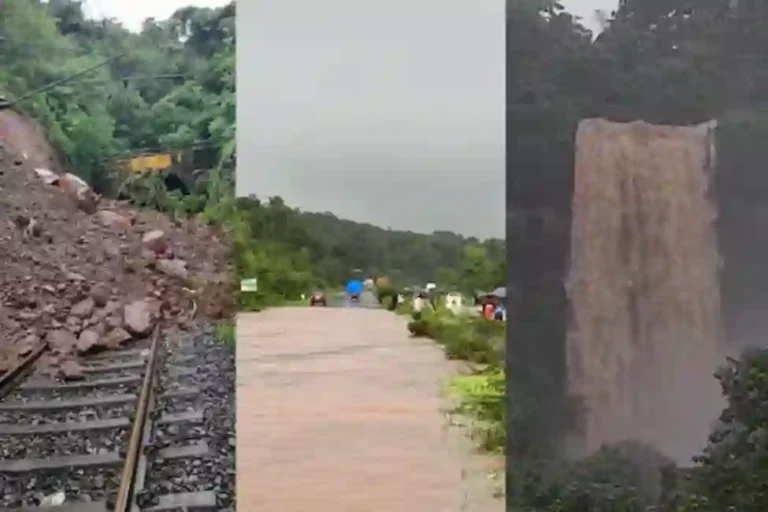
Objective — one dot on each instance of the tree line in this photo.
(169, 86)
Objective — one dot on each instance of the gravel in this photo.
(215, 377)
(187, 403)
(81, 485)
(38, 446)
(181, 433)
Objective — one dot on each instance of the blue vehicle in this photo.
(354, 289)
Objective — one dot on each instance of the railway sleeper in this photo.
(79, 506)
(62, 427)
(63, 462)
(57, 405)
(82, 385)
(114, 367)
(82, 426)
(201, 501)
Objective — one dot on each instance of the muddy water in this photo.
(339, 410)
(644, 294)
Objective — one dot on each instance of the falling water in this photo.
(643, 291)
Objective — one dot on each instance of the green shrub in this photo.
(624, 477)
(482, 398)
(225, 332)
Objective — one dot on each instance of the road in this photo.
(367, 300)
(338, 409)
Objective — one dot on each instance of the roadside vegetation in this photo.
(478, 344)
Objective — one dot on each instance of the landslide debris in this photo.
(87, 274)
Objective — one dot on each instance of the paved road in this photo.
(338, 410)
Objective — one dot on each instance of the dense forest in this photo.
(172, 86)
(292, 251)
(674, 62)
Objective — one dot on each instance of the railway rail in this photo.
(134, 434)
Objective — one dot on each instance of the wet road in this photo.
(367, 300)
(338, 409)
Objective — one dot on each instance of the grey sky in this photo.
(133, 13)
(383, 111)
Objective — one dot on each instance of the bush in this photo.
(730, 475)
(481, 396)
(624, 477)
(419, 328)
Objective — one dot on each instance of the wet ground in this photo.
(338, 409)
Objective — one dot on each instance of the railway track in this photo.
(138, 433)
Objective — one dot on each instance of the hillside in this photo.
(291, 251)
(85, 274)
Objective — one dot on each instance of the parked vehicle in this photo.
(318, 299)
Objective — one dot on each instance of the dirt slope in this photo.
(87, 274)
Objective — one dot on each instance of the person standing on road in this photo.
(418, 306)
(499, 313)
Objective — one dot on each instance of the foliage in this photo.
(481, 396)
(405, 257)
(130, 103)
(622, 477)
(731, 473)
(225, 332)
(464, 337)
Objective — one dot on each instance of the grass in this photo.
(481, 399)
(225, 332)
(480, 396)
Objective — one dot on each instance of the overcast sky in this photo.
(132, 13)
(383, 111)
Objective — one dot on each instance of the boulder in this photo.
(175, 268)
(110, 219)
(61, 341)
(137, 318)
(83, 309)
(116, 338)
(71, 370)
(155, 241)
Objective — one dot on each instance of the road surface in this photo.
(339, 410)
